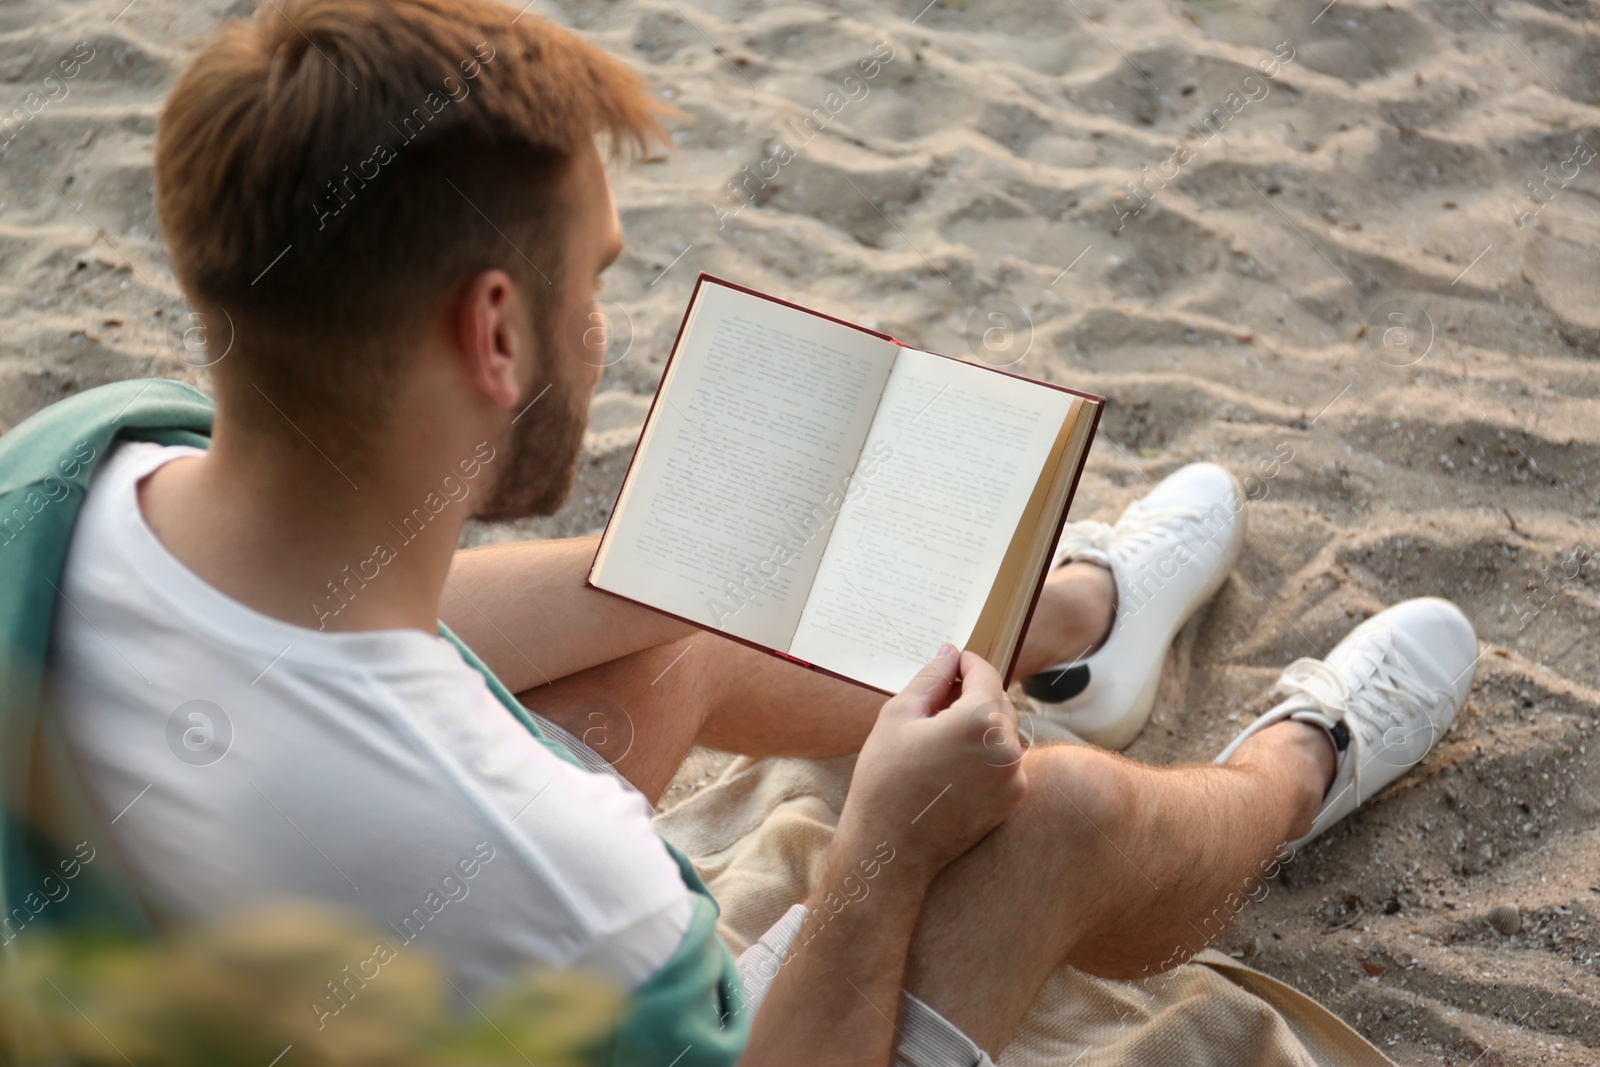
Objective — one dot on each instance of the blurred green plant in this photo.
(256, 991)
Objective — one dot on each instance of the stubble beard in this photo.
(541, 460)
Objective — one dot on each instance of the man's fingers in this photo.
(930, 689)
(979, 680)
(996, 695)
(984, 713)
(992, 727)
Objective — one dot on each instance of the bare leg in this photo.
(1120, 869)
(644, 712)
(1112, 866)
(524, 609)
(1115, 867)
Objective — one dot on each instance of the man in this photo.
(399, 214)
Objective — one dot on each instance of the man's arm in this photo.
(933, 778)
(837, 995)
(545, 623)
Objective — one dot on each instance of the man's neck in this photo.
(279, 527)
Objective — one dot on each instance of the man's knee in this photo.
(1091, 805)
(1079, 797)
(651, 699)
(1095, 785)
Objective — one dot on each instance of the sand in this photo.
(1235, 302)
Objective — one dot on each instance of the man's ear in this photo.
(491, 336)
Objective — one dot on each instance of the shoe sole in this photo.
(1127, 729)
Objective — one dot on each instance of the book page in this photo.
(913, 558)
(1000, 627)
(744, 464)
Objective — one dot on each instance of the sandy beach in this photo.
(1351, 252)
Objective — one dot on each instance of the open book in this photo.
(824, 493)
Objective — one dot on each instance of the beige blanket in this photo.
(758, 836)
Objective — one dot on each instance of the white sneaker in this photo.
(1168, 553)
(1385, 694)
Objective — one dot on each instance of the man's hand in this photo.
(941, 768)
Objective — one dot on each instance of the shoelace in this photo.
(1390, 698)
(1137, 528)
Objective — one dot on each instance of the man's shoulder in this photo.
(47, 461)
(82, 426)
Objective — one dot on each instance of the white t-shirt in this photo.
(236, 759)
